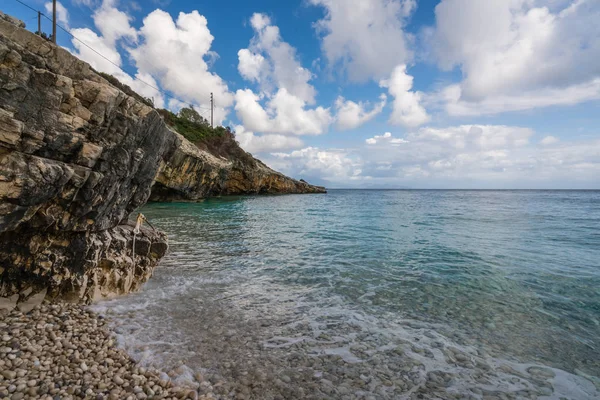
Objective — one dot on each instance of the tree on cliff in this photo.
(189, 114)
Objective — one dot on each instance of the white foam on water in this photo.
(317, 324)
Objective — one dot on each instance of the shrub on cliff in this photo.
(219, 141)
(189, 124)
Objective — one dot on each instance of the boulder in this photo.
(77, 157)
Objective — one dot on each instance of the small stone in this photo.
(9, 374)
(17, 396)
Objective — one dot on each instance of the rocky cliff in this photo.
(191, 174)
(77, 157)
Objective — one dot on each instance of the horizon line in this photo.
(465, 189)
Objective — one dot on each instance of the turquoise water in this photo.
(375, 294)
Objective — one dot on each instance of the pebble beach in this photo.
(65, 351)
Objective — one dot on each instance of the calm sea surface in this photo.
(375, 294)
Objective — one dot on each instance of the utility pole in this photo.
(40, 23)
(212, 107)
(54, 21)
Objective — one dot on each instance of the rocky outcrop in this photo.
(192, 174)
(77, 157)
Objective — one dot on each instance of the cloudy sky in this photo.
(369, 93)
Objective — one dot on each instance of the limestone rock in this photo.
(192, 174)
(77, 157)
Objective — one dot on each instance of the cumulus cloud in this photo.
(62, 14)
(273, 63)
(251, 66)
(284, 87)
(518, 54)
(170, 54)
(284, 114)
(176, 53)
(98, 43)
(253, 143)
(365, 37)
(112, 23)
(407, 108)
(350, 115)
(386, 139)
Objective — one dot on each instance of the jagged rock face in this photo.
(192, 174)
(77, 156)
(79, 265)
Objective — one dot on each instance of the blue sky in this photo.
(370, 93)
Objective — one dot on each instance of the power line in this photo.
(26, 5)
(107, 59)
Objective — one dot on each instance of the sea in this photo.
(374, 294)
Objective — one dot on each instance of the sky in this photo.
(368, 93)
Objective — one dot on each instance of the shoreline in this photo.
(66, 351)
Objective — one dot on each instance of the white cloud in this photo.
(407, 108)
(331, 164)
(110, 54)
(386, 139)
(88, 3)
(518, 54)
(365, 37)
(251, 65)
(273, 63)
(450, 98)
(62, 14)
(483, 156)
(481, 137)
(350, 115)
(284, 114)
(548, 140)
(113, 24)
(265, 143)
(174, 55)
(468, 156)
(284, 87)
(175, 52)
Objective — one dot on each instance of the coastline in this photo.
(69, 351)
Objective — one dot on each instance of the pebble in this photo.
(65, 351)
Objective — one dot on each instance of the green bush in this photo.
(191, 126)
(219, 141)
